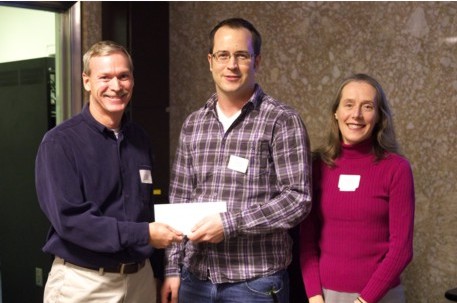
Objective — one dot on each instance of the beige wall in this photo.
(410, 47)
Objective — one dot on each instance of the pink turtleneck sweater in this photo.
(359, 235)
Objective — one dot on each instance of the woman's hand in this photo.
(360, 300)
(316, 299)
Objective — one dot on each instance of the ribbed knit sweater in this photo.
(358, 241)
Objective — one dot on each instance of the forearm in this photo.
(279, 214)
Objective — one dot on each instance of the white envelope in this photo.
(184, 216)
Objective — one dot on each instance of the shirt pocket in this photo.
(204, 161)
(259, 159)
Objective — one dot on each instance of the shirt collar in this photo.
(254, 101)
(94, 123)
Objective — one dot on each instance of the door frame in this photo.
(68, 52)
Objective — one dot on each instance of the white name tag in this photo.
(348, 182)
(238, 164)
(145, 176)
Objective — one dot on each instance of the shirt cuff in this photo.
(230, 224)
(132, 234)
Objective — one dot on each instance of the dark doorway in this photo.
(26, 88)
(28, 101)
(143, 27)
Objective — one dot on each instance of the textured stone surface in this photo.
(308, 48)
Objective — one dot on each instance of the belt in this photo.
(121, 268)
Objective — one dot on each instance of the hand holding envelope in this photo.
(200, 221)
(209, 229)
(162, 235)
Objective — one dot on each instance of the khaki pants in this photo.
(69, 283)
(395, 295)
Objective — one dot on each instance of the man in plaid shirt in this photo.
(252, 152)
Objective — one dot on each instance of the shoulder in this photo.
(397, 167)
(274, 105)
(197, 114)
(64, 129)
(396, 160)
(271, 109)
(197, 117)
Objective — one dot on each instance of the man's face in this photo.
(110, 84)
(234, 79)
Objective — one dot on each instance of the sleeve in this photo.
(309, 242)
(290, 152)
(401, 226)
(181, 186)
(181, 180)
(61, 197)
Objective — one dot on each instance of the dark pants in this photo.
(269, 289)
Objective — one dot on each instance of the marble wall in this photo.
(91, 28)
(410, 47)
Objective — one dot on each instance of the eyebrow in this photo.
(237, 51)
(353, 100)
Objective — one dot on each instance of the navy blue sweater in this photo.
(96, 191)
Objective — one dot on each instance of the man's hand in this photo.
(162, 235)
(209, 229)
(169, 291)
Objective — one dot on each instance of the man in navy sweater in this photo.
(94, 183)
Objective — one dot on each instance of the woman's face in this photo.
(356, 112)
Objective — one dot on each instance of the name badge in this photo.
(145, 176)
(238, 164)
(348, 182)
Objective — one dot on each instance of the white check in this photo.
(184, 216)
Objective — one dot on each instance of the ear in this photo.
(210, 62)
(86, 82)
(257, 60)
(336, 117)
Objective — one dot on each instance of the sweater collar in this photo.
(358, 150)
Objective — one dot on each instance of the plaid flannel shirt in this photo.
(263, 203)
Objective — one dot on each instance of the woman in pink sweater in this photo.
(358, 238)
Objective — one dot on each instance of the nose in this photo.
(233, 62)
(115, 84)
(357, 112)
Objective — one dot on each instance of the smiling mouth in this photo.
(355, 126)
(233, 77)
(115, 96)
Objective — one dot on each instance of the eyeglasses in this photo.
(241, 57)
